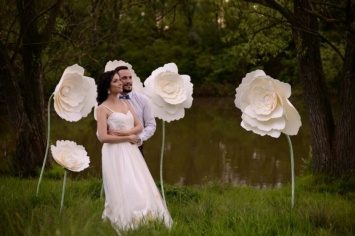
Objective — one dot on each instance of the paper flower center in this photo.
(168, 88)
(70, 160)
(65, 91)
(263, 100)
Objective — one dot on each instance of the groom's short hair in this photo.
(121, 68)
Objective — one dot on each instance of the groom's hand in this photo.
(133, 138)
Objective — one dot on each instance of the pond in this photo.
(208, 144)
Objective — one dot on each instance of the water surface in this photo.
(208, 144)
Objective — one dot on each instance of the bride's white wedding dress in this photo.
(131, 196)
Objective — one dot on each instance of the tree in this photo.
(38, 39)
(22, 43)
(332, 134)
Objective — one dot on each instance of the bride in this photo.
(131, 196)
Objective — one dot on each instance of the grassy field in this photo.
(322, 207)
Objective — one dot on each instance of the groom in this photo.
(140, 104)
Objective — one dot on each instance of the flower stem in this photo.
(161, 161)
(102, 190)
(292, 172)
(63, 190)
(48, 135)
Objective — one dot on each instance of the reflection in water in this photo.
(208, 144)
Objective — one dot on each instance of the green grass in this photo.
(322, 207)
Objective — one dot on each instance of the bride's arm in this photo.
(104, 136)
(137, 125)
(135, 130)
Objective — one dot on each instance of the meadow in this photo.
(323, 206)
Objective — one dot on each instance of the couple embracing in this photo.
(124, 120)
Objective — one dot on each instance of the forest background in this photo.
(307, 44)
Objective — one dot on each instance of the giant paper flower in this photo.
(169, 92)
(75, 94)
(70, 155)
(137, 85)
(265, 105)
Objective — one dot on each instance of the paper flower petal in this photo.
(137, 85)
(265, 105)
(70, 155)
(75, 94)
(169, 92)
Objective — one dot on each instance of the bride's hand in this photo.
(118, 132)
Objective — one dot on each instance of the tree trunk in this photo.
(314, 86)
(23, 90)
(29, 143)
(333, 146)
(344, 138)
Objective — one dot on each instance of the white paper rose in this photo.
(137, 85)
(265, 105)
(70, 155)
(169, 92)
(75, 94)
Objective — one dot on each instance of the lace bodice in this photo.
(121, 121)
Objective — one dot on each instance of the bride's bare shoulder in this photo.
(102, 107)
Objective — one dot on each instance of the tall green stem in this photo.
(63, 190)
(48, 136)
(102, 190)
(161, 161)
(292, 172)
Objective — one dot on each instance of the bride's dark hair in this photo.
(103, 84)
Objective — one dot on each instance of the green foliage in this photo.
(212, 41)
(181, 194)
(215, 42)
(321, 208)
(55, 172)
(332, 63)
(329, 184)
